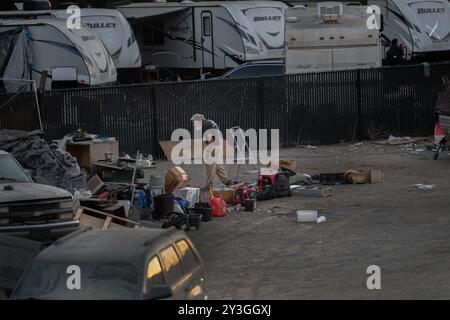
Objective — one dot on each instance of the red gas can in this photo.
(219, 207)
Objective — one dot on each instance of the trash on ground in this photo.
(311, 147)
(393, 140)
(307, 215)
(414, 148)
(321, 219)
(332, 178)
(356, 177)
(192, 195)
(289, 165)
(424, 186)
(303, 178)
(97, 219)
(308, 191)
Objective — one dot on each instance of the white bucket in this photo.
(306, 215)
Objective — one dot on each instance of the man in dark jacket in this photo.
(394, 56)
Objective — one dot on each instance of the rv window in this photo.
(206, 25)
(152, 33)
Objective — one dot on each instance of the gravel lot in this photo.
(403, 230)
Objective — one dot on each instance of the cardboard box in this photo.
(175, 178)
(226, 193)
(290, 165)
(376, 176)
(189, 194)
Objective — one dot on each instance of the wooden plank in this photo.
(110, 215)
(107, 223)
(78, 214)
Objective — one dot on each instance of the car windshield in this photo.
(10, 170)
(80, 281)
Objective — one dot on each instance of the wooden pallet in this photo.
(87, 220)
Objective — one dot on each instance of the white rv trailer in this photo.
(211, 36)
(31, 49)
(330, 37)
(109, 25)
(422, 26)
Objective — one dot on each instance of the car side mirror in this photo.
(159, 292)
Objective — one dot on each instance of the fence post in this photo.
(359, 106)
(261, 101)
(154, 124)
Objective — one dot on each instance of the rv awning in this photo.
(141, 11)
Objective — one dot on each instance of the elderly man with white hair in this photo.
(203, 124)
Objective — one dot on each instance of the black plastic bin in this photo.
(204, 209)
(194, 221)
(163, 205)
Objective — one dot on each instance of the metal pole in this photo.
(37, 106)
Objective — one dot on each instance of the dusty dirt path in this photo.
(404, 230)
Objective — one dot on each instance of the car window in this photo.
(172, 264)
(188, 257)
(244, 72)
(206, 26)
(10, 170)
(98, 281)
(154, 273)
(271, 70)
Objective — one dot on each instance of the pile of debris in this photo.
(46, 164)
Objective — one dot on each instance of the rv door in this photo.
(207, 39)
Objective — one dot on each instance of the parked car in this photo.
(29, 209)
(134, 264)
(256, 69)
(16, 254)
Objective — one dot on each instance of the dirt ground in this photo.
(405, 231)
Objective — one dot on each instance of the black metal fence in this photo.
(321, 108)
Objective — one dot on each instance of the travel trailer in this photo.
(330, 37)
(421, 26)
(109, 25)
(46, 51)
(194, 37)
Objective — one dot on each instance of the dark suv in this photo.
(135, 264)
(31, 209)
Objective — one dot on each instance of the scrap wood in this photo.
(108, 221)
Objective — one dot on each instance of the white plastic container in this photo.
(306, 215)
